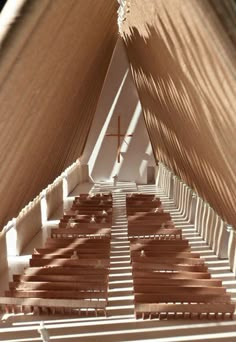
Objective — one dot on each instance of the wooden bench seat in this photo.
(149, 220)
(169, 267)
(99, 219)
(75, 224)
(178, 290)
(142, 204)
(150, 224)
(170, 275)
(161, 248)
(92, 202)
(167, 254)
(61, 277)
(80, 250)
(142, 195)
(135, 211)
(98, 195)
(192, 311)
(77, 242)
(167, 260)
(52, 306)
(88, 219)
(69, 262)
(88, 211)
(149, 215)
(156, 232)
(182, 297)
(77, 232)
(176, 282)
(73, 244)
(56, 285)
(59, 294)
(153, 242)
(60, 270)
(90, 207)
(93, 255)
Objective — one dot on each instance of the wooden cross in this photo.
(118, 135)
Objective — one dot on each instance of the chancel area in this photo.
(117, 190)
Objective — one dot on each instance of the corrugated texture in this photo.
(183, 64)
(226, 11)
(52, 68)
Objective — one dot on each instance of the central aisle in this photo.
(121, 299)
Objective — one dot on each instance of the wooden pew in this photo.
(87, 211)
(60, 270)
(80, 250)
(170, 275)
(169, 253)
(220, 309)
(188, 290)
(169, 267)
(151, 219)
(176, 282)
(97, 196)
(88, 219)
(69, 262)
(59, 294)
(59, 306)
(153, 242)
(134, 210)
(162, 248)
(149, 224)
(78, 232)
(142, 203)
(77, 242)
(156, 232)
(93, 255)
(56, 285)
(73, 224)
(167, 260)
(61, 277)
(92, 202)
(83, 207)
(137, 195)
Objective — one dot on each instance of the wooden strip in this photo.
(164, 253)
(68, 256)
(40, 285)
(59, 277)
(193, 308)
(58, 294)
(176, 282)
(77, 231)
(149, 242)
(100, 263)
(181, 298)
(161, 248)
(40, 302)
(170, 275)
(61, 270)
(60, 251)
(164, 260)
(170, 267)
(180, 289)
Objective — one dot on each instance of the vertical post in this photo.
(118, 148)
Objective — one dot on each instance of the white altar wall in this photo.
(118, 98)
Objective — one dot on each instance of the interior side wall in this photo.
(184, 66)
(52, 68)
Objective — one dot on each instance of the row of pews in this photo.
(170, 281)
(70, 274)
